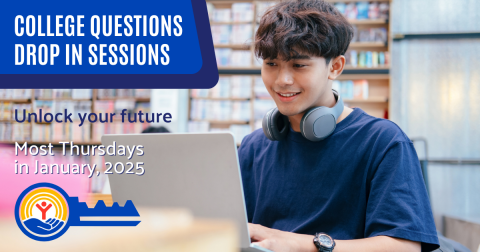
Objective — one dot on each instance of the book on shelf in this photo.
(262, 104)
(115, 106)
(213, 110)
(356, 89)
(240, 58)
(115, 93)
(234, 86)
(224, 34)
(43, 93)
(361, 35)
(142, 106)
(261, 107)
(105, 93)
(15, 94)
(21, 131)
(260, 89)
(374, 11)
(100, 129)
(19, 107)
(239, 132)
(142, 93)
(210, 10)
(222, 89)
(262, 7)
(360, 89)
(128, 104)
(364, 10)
(53, 93)
(239, 12)
(125, 93)
(198, 126)
(104, 106)
(63, 93)
(223, 56)
(82, 93)
(15, 131)
(221, 14)
(241, 86)
(367, 59)
(241, 34)
(74, 107)
(5, 131)
(46, 107)
(221, 34)
(81, 107)
(60, 106)
(235, 58)
(242, 12)
(241, 111)
(61, 132)
(200, 93)
(6, 110)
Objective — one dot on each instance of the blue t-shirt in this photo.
(364, 180)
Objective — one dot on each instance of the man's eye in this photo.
(270, 64)
(298, 65)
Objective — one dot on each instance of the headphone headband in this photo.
(338, 108)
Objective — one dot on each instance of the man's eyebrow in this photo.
(300, 56)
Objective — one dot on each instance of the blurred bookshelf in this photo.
(239, 101)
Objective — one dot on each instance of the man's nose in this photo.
(285, 77)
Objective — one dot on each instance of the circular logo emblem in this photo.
(42, 212)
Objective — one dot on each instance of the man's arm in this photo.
(280, 241)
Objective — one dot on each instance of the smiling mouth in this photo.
(288, 94)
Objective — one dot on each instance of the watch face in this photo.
(325, 241)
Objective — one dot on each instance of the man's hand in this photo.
(280, 241)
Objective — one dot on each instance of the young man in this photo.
(362, 186)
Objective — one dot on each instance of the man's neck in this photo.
(330, 102)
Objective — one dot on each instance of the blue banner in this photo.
(106, 44)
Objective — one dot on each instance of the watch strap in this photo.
(321, 249)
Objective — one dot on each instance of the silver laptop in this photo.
(195, 171)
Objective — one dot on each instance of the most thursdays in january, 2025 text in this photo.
(85, 150)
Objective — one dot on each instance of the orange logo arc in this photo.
(46, 194)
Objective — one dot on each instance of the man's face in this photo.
(298, 84)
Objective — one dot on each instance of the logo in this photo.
(44, 212)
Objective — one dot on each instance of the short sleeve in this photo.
(398, 204)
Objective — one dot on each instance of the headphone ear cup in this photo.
(275, 125)
(317, 124)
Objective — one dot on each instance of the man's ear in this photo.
(335, 67)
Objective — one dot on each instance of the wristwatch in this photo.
(323, 242)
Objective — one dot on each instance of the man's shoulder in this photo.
(378, 128)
